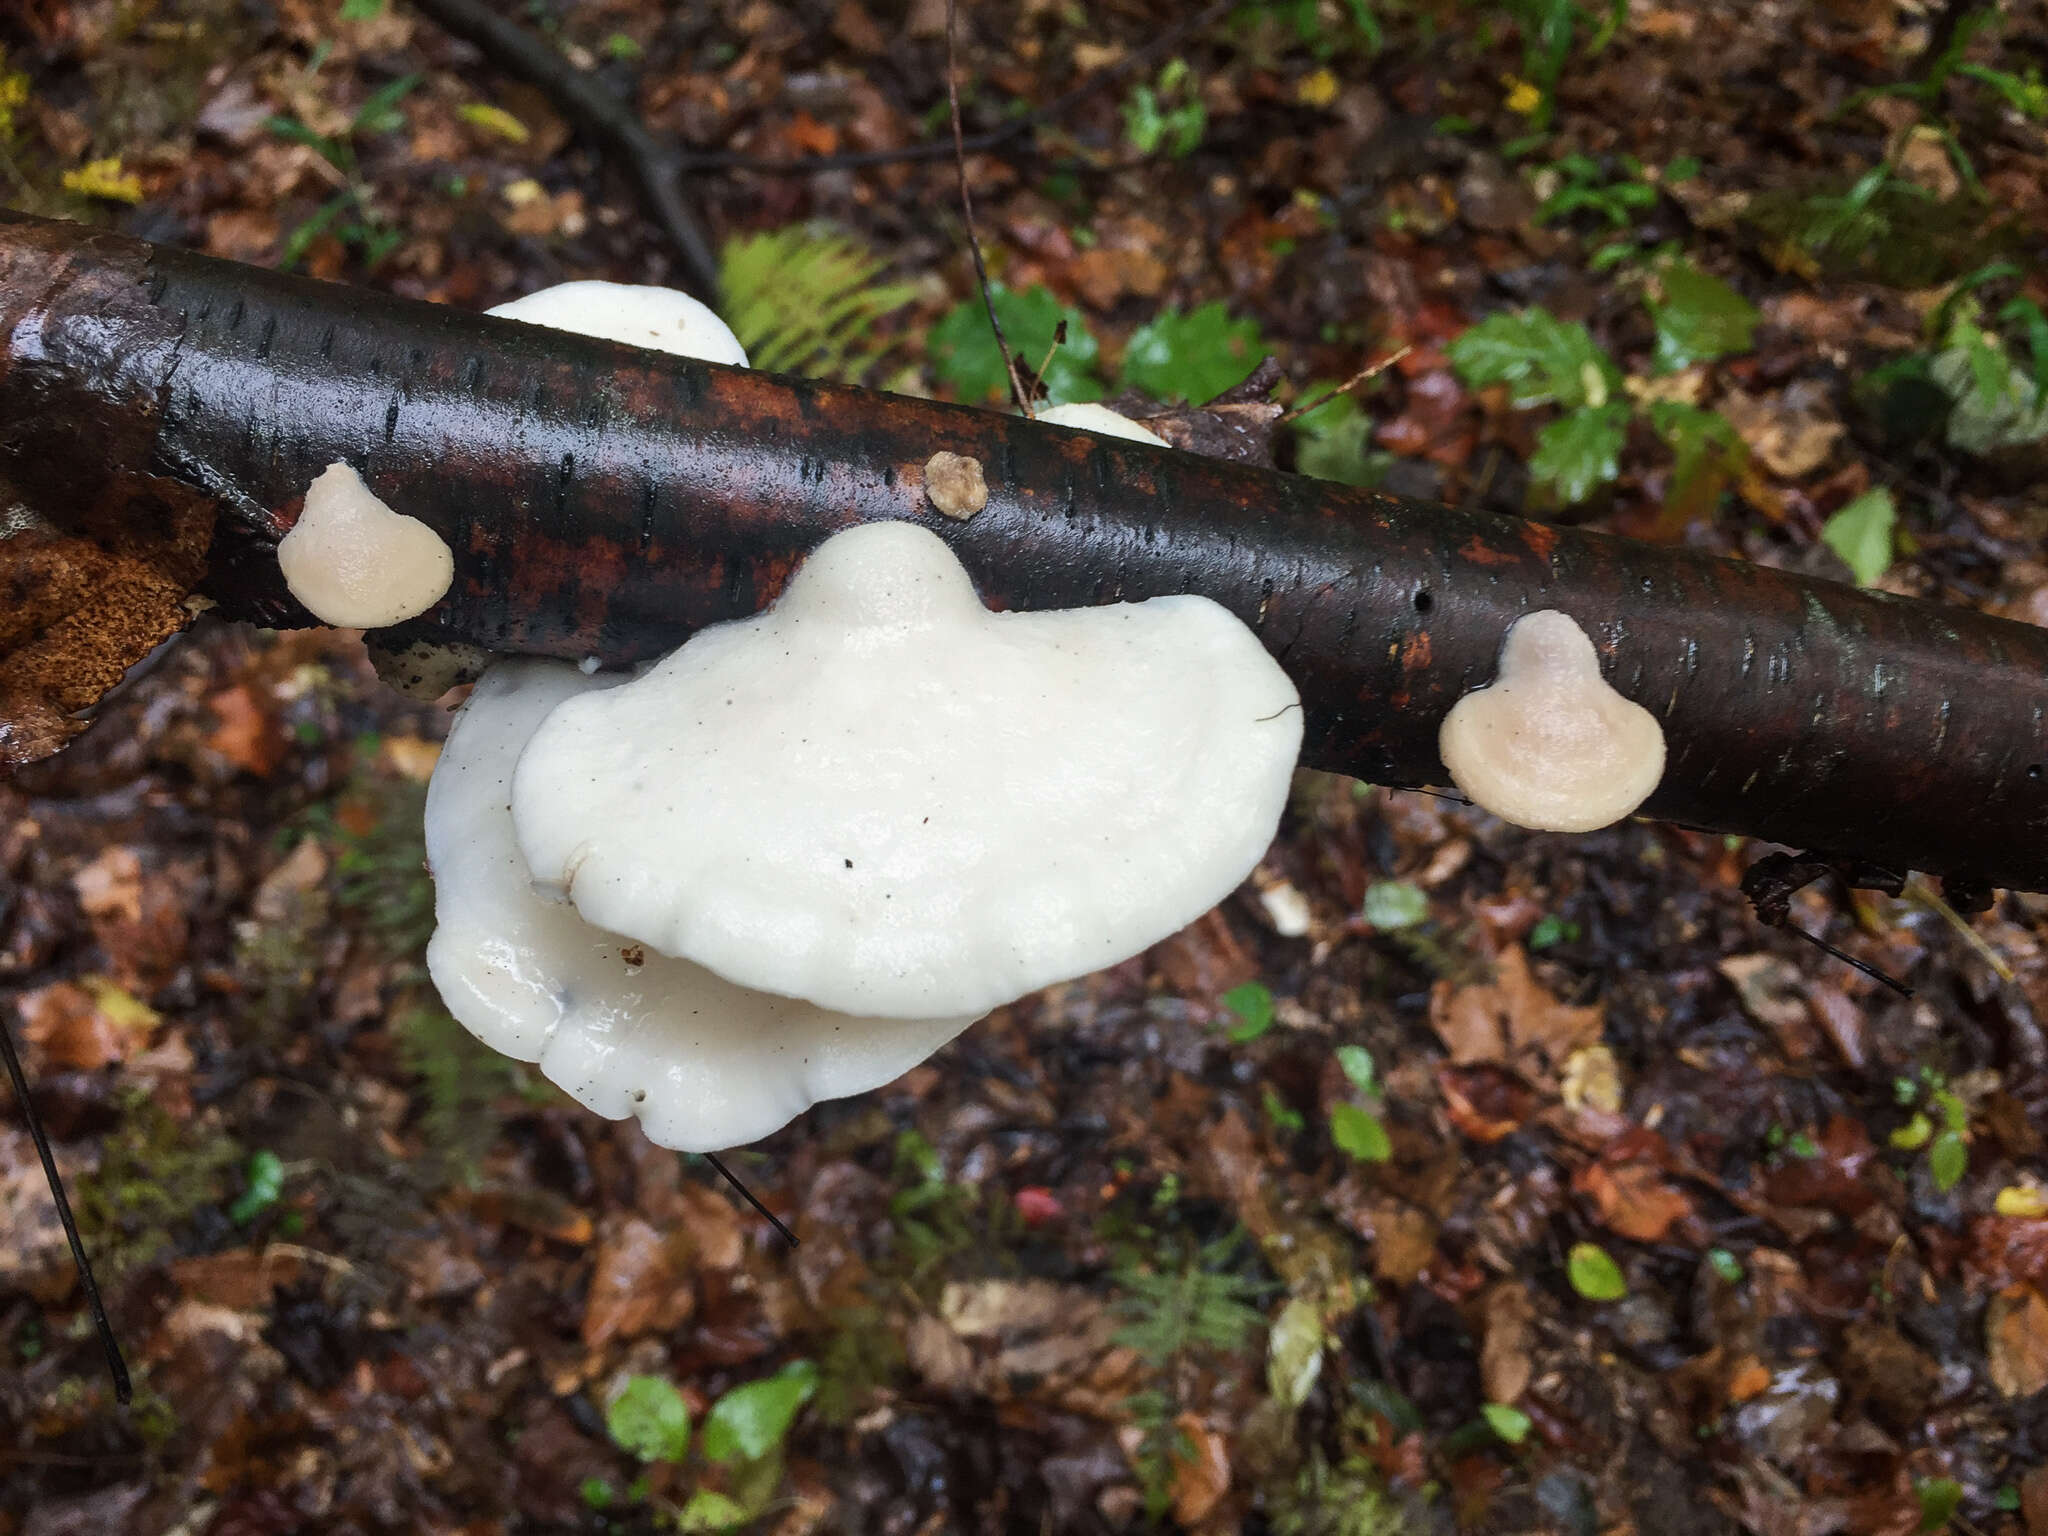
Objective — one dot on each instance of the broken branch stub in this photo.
(605, 501)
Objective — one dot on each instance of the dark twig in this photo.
(1370, 371)
(109, 1345)
(976, 143)
(657, 164)
(1017, 391)
(747, 1195)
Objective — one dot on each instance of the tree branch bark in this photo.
(162, 413)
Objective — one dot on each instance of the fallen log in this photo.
(162, 413)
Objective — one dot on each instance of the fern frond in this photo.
(805, 300)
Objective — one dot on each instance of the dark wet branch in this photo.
(606, 502)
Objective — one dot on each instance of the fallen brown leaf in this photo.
(636, 1287)
(1511, 1021)
(1633, 1200)
(2016, 1340)
(1201, 1470)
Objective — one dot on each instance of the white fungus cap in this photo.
(1549, 745)
(660, 319)
(1087, 416)
(355, 563)
(704, 1064)
(883, 798)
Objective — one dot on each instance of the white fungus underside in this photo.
(660, 319)
(703, 1063)
(355, 563)
(885, 799)
(1087, 416)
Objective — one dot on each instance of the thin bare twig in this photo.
(1017, 391)
(109, 1345)
(1370, 371)
(748, 1195)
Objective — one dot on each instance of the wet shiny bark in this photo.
(603, 501)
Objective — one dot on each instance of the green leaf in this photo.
(1356, 1061)
(1545, 360)
(1507, 1421)
(650, 1419)
(1334, 442)
(1698, 317)
(1358, 1133)
(965, 355)
(1193, 356)
(1580, 452)
(379, 112)
(596, 1493)
(1551, 930)
(1391, 905)
(1948, 1160)
(1940, 1498)
(1294, 1352)
(710, 1510)
(263, 1183)
(1253, 1005)
(1726, 1265)
(804, 299)
(493, 120)
(1861, 533)
(1594, 1274)
(361, 10)
(751, 1420)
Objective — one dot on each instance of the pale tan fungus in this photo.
(1549, 745)
(955, 484)
(357, 564)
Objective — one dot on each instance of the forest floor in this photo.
(1448, 1177)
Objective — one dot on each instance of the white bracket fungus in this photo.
(1086, 416)
(357, 564)
(883, 798)
(1549, 745)
(703, 1063)
(660, 319)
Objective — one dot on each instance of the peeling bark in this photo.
(607, 502)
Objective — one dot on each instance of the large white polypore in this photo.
(883, 798)
(660, 319)
(356, 563)
(704, 1064)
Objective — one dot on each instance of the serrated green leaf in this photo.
(1544, 360)
(1253, 1005)
(1334, 442)
(965, 355)
(1581, 451)
(1359, 1134)
(751, 1420)
(1357, 1064)
(1594, 1274)
(1698, 317)
(1861, 533)
(1193, 356)
(650, 1419)
(1392, 905)
(1507, 1421)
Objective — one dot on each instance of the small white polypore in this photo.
(703, 1063)
(660, 319)
(1549, 745)
(885, 799)
(357, 564)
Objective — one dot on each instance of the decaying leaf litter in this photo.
(1447, 1177)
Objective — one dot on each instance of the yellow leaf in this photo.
(494, 120)
(105, 178)
(1317, 90)
(524, 191)
(1522, 96)
(2023, 1200)
(118, 1005)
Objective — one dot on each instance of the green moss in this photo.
(154, 1175)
